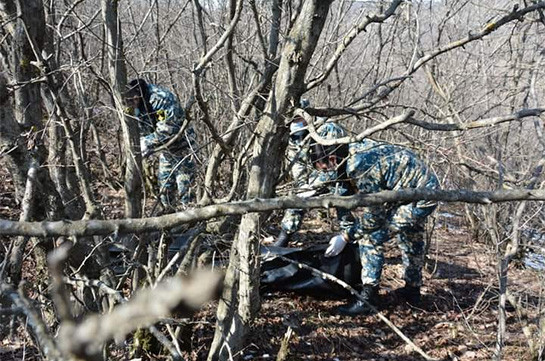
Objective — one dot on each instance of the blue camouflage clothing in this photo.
(297, 158)
(302, 172)
(176, 163)
(373, 167)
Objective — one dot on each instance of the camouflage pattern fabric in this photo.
(176, 163)
(331, 130)
(175, 179)
(297, 157)
(303, 173)
(373, 167)
(371, 247)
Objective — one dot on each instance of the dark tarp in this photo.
(281, 275)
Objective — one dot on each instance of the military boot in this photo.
(282, 239)
(358, 306)
(409, 294)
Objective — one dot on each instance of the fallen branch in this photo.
(180, 295)
(118, 226)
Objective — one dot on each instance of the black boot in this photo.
(409, 294)
(359, 307)
(282, 239)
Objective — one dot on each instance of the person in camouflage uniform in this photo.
(369, 167)
(160, 118)
(299, 167)
(301, 171)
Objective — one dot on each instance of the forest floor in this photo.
(456, 319)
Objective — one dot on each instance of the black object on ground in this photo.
(281, 275)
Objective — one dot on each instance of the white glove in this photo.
(336, 245)
(143, 147)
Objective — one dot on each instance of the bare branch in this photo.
(472, 36)
(408, 118)
(56, 260)
(482, 123)
(118, 226)
(349, 38)
(181, 295)
(346, 140)
(258, 29)
(42, 334)
(208, 56)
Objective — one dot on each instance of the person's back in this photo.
(169, 116)
(377, 166)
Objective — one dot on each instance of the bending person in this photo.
(368, 167)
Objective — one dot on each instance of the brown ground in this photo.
(456, 319)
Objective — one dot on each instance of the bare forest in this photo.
(92, 267)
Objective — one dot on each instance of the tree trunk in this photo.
(240, 300)
(59, 171)
(24, 115)
(21, 123)
(131, 136)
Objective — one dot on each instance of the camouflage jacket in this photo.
(299, 162)
(376, 166)
(164, 122)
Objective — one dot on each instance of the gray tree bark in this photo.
(64, 177)
(240, 300)
(21, 121)
(131, 135)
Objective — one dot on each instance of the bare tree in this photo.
(459, 82)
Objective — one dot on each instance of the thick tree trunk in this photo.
(60, 173)
(131, 142)
(12, 146)
(26, 109)
(240, 300)
(21, 124)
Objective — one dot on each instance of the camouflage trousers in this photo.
(412, 247)
(175, 176)
(407, 225)
(291, 222)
